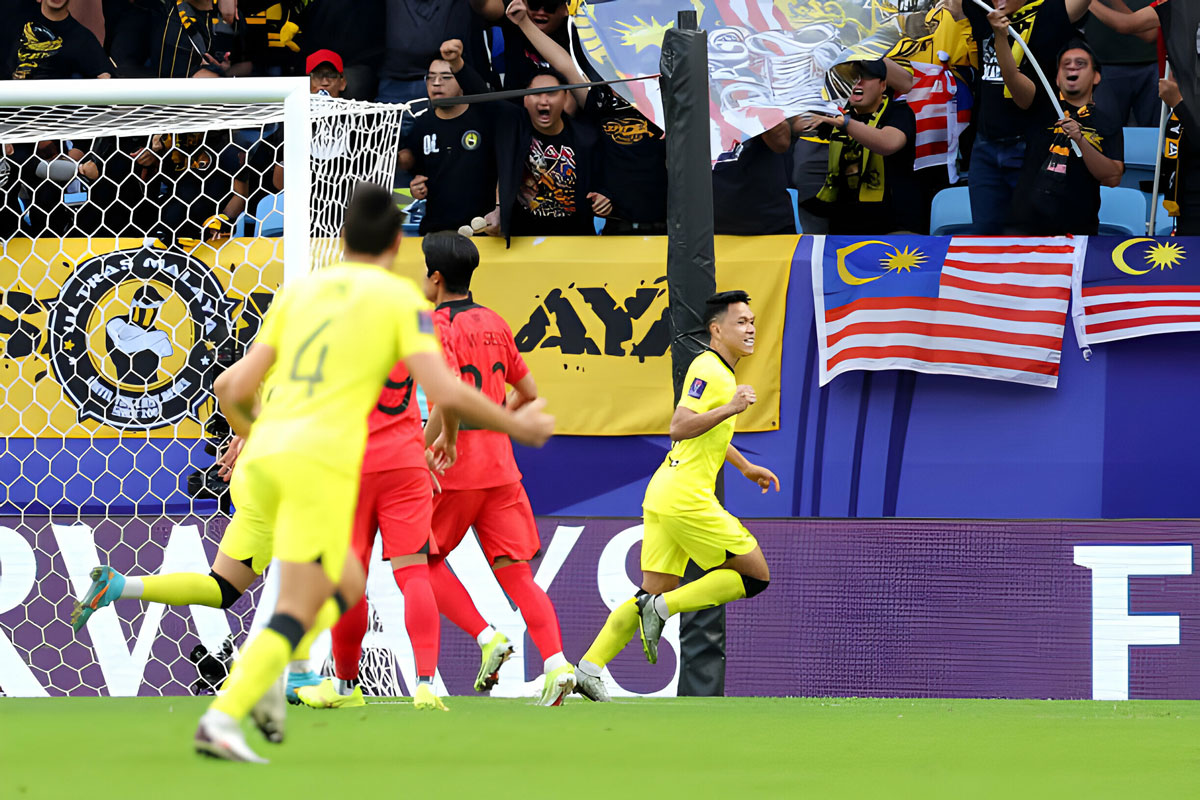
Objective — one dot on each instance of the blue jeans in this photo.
(1130, 90)
(995, 167)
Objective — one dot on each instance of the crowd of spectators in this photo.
(559, 161)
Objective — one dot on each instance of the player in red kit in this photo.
(483, 487)
(396, 498)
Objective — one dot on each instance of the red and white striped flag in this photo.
(982, 307)
(942, 107)
(1135, 287)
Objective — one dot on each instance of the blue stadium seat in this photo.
(950, 212)
(269, 213)
(1123, 211)
(1141, 146)
(795, 195)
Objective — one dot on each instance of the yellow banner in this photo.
(590, 317)
(105, 338)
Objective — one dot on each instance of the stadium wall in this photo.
(886, 608)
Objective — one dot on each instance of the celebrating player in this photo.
(483, 487)
(683, 519)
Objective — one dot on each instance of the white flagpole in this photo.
(1038, 69)
(1164, 117)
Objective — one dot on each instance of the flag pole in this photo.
(1164, 117)
(1038, 69)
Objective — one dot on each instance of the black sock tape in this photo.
(288, 627)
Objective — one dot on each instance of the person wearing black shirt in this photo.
(44, 41)
(185, 39)
(633, 150)
(1183, 189)
(750, 196)
(449, 151)
(1130, 85)
(357, 36)
(870, 187)
(550, 179)
(1002, 116)
(1059, 193)
(522, 59)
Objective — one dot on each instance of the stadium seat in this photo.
(950, 212)
(1141, 145)
(599, 223)
(269, 213)
(795, 195)
(1123, 211)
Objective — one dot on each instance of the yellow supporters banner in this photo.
(590, 317)
(111, 337)
(105, 337)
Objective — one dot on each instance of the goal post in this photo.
(119, 305)
(270, 100)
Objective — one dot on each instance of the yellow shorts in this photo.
(294, 508)
(707, 537)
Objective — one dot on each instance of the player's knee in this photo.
(754, 585)
(288, 627)
(229, 592)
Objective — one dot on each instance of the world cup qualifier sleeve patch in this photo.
(697, 388)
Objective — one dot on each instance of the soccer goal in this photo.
(145, 226)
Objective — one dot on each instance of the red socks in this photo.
(536, 608)
(348, 635)
(420, 616)
(453, 601)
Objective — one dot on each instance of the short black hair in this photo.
(372, 220)
(541, 69)
(1078, 44)
(453, 255)
(720, 302)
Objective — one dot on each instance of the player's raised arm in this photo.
(528, 425)
(237, 387)
(688, 424)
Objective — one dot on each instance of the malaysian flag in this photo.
(1136, 287)
(982, 307)
(942, 105)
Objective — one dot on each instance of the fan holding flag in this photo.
(1180, 25)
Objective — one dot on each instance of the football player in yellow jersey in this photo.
(332, 337)
(683, 519)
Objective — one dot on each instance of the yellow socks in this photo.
(181, 589)
(260, 664)
(618, 630)
(325, 619)
(716, 588)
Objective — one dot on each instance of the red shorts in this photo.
(399, 504)
(500, 515)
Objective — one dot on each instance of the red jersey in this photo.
(396, 438)
(480, 347)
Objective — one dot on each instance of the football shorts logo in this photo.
(134, 334)
(470, 140)
(697, 388)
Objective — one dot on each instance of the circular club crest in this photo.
(133, 336)
(470, 140)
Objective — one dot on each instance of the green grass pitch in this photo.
(123, 748)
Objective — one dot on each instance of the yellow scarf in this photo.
(869, 180)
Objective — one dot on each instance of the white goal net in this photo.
(144, 233)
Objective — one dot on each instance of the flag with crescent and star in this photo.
(767, 59)
(1136, 287)
(976, 306)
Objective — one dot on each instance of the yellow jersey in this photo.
(337, 333)
(686, 480)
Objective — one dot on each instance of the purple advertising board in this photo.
(881, 608)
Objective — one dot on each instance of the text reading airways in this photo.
(569, 334)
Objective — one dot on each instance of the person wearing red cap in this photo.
(325, 73)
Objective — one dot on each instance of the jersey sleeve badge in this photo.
(697, 388)
(425, 321)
